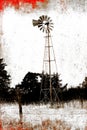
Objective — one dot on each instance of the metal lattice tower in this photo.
(45, 24)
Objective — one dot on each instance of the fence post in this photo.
(19, 103)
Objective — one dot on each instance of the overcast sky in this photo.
(23, 44)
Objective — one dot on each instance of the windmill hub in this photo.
(47, 23)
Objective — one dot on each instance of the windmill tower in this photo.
(44, 23)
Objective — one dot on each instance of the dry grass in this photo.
(45, 125)
(86, 127)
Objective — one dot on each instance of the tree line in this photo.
(29, 88)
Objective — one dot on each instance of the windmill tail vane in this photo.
(35, 22)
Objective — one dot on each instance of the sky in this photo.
(23, 44)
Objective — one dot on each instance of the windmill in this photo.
(45, 24)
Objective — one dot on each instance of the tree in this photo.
(56, 82)
(4, 80)
(84, 84)
(45, 81)
(30, 87)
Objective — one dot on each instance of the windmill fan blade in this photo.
(51, 23)
(40, 25)
(51, 26)
(48, 18)
(41, 28)
(40, 21)
(45, 17)
(41, 18)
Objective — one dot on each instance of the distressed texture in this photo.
(69, 38)
(17, 3)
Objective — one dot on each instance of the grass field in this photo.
(69, 116)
